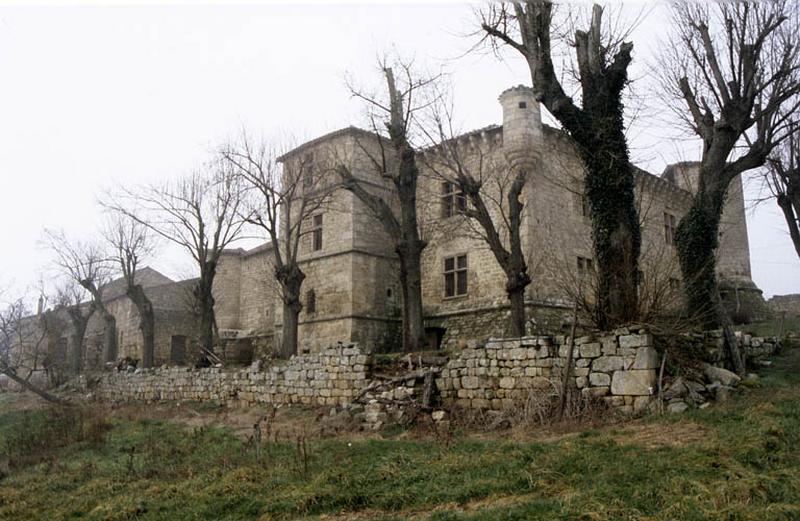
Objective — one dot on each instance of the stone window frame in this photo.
(585, 265)
(316, 232)
(454, 200)
(311, 302)
(457, 274)
(670, 225)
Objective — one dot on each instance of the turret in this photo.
(522, 127)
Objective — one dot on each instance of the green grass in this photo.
(744, 466)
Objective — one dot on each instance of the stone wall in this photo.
(620, 367)
(788, 303)
(331, 377)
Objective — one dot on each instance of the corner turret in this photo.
(522, 127)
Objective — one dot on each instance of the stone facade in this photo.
(354, 274)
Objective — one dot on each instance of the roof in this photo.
(325, 137)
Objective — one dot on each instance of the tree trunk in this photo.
(696, 239)
(516, 297)
(8, 371)
(609, 188)
(144, 307)
(791, 214)
(205, 303)
(110, 323)
(110, 336)
(79, 323)
(291, 278)
(411, 282)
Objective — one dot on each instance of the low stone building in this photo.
(351, 290)
(46, 344)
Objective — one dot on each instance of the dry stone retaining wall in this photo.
(332, 377)
(621, 367)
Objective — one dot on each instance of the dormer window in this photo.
(523, 105)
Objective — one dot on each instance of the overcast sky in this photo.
(96, 94)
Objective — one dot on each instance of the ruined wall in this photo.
(331, 377)
(621, 367)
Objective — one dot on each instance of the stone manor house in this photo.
(351, 292)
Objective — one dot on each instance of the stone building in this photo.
(46, 343)
(351, 292)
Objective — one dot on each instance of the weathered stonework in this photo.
(331, 377)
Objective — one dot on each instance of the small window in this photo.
(316, 233)
(674, 284)
(455, 276)
(523, 105)
(311, 301)
(307, 172)
(669, 228)
(453, 199)
(585, 266)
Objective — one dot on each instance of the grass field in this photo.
(734, 461)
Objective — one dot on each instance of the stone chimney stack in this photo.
(522, 127)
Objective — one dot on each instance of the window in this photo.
(669, 228)
(674, 284)
(455, 276)
(585, 266)
(307, 171)
(311, 301)
(523, 105)
(316, 233)
(453, 199)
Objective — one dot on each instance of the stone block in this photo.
(637, 382)
(507, 382)
(646, 358)
(469, 382)
(607, 364)
(590, 350)
(635, 340)
(599, 379)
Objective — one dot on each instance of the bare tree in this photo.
(783, 179)
(733, 66)
(392, 118)
(494, 193)
(70, 297)
(597, 127)
(86, 264)
(201, 213)
(284, 199)
(24, 343)
(131, 242)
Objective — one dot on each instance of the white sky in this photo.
(96, 94)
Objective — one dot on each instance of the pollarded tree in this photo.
(70, 297)
(733, 68)
(86, 263)
(598, 130)
(491, 199)
(283, 199)
(130, 242)
(393, 119)
(200, 213)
